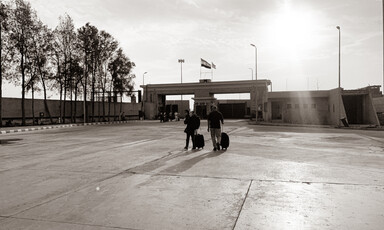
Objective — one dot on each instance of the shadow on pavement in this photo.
(187, 164)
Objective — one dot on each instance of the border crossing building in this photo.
(363, 106)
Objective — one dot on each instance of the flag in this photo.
(213, 66)
(205, 64)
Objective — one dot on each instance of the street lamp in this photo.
(143, 76)
(145, 90)
(338, 28)
(251, 72)
(181, 61)
(255, 61)
(257, 106)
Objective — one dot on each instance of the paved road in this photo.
(137, 176)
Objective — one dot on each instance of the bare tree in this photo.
(120, 69)
(87, 36)
(6, 50)
(108, 46)
(22, 21)
(39, 56)
(64, 45)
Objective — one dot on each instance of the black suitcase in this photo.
(199, 141)
(224, 140)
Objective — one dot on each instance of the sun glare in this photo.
(293, 29)
(293, 37)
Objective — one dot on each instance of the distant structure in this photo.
(204, 91)
(322, 107)
(364, 106)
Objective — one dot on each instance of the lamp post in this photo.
(255, 62)
(145, 90)
(181, 61)
(251, 73)
(338, 28)
(257, 109)
(143, 77)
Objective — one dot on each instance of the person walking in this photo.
(214, 125)
(193, 123)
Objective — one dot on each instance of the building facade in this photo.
(321, 107)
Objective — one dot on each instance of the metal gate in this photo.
(233, 110)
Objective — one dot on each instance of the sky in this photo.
(296, 40)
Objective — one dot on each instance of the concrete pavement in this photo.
(137, 176)
(18, 129)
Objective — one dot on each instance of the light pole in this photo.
(255, 61)
(251, 72)
(257, 109)
(145, 90)
(143, 77)
(338, 28)
(181, 61)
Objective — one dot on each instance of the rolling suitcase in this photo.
(224, 141)
(199, 141)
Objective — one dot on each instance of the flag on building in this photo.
(213, 66)
(205, 64)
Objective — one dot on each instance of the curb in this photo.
(60, 126)
(365, 127)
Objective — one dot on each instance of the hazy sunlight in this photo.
(292, 30)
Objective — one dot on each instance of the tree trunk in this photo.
(61, 87)
(45, 99)
(65, 97)
(33, 105)
(65, 87)
(75, 106)
(71, 89)
(114, 106)
(104, 88)
(98, 106)
(109, 104)
(60, 102)
(85, 88)
(71, 98)
(93, 92)
(22, 90)
(1, 83)
(121, 106)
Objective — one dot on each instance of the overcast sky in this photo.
(297, 40)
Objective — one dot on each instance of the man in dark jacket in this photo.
(193, 123)
(214, 119)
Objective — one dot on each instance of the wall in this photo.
(307, 111)
(12, 109)
(299, 107)
(378, 102)
(334, 100)
(150, 110)
(370, 111)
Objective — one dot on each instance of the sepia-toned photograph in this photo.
(191, 114)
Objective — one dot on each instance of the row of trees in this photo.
(74, 63)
